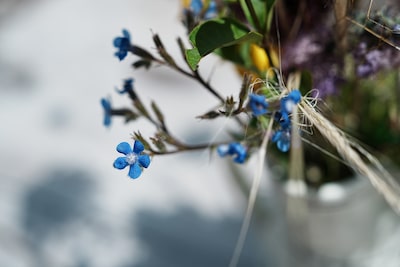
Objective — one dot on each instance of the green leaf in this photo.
(193, 58)
(269, 13)
(214, 34)
(256, 13)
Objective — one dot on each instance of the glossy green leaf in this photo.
(214, 34)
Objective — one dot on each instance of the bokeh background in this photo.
(61, 201)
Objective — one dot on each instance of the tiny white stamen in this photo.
(131, 158)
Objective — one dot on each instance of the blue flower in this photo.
(134, 158)
(258, 104)
(212, 10)
(282, 136)
(288, 102)
(107, 111)
(123, 44)
(233, 149)
(127, 87)
(196, 6)
(282, 139)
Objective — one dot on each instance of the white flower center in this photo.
(131, 158)
(289, 105)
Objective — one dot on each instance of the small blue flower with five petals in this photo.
(134, 158)
(258, 104)
(123, 44)
(233, 149)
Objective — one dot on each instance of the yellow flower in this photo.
(260, 58)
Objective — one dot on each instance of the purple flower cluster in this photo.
(371, 61)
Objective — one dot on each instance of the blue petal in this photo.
(106, 104)
(144, 160)
(258, 104)
(107, 120)
(117, 41)
(138, 147)
(126, 34)
(223, 150)
(124, 148)
(283, 145)
(120, 163)
(277, 135)
(211, 11)
(196, 6)
(135, 171)
(240, 158)
(295, 95)
(121, 54)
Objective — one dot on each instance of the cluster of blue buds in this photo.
(258, 106)
(282, 136)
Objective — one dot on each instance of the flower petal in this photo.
(223, 150)
(120, 163)
(124, 148)
(117, 41)
(121, 54)
(138, 147)
(283, 145)
(107, 120)
(135, 171)
(144, 160)
(126, 34)
(295, 95)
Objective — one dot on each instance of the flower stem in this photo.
(296, 163)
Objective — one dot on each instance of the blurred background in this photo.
(61, 201)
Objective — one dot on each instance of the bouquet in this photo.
(319, 97)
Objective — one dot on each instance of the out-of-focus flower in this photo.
(282, 136)
(282, 139)
(197, 8)
(212, 10)
(134, 158)
(259, 57)
(258, 104)
(123, 44)
(374, 60)
(236, 150)
(287, 104)
(106, 104)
